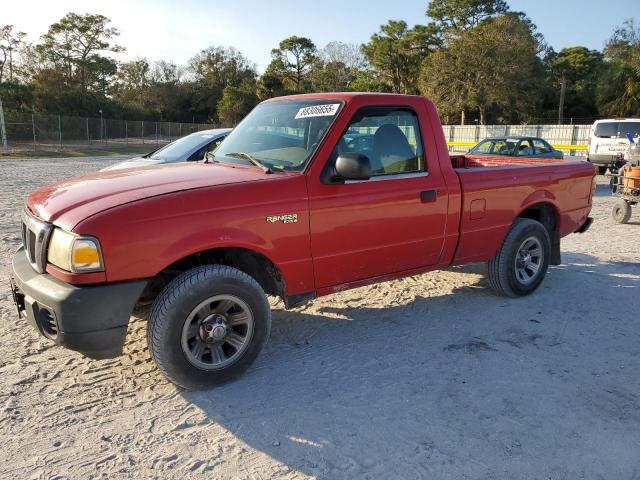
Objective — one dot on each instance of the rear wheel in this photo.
(521, 263)
(621, 211)
(208, 325)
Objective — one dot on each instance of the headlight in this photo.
(74, 253)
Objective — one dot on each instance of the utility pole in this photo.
(101, 127)
(563, 88)
(3, 130)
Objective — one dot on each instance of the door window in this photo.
(389, 137)
(541, 146)
(525, 149)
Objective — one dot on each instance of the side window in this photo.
(540, 146)
(389, 137)
(214, 145)
(197, 155)
(502, 147)
(524, 148)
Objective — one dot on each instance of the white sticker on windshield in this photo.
(328, 110)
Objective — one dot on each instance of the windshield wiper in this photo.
(252, 159)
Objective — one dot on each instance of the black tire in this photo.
(175, 304)
(621, 211)
(602, 169)
(503, 269)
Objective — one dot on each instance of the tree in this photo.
(131, 85)
(292, 62)
(576, 70)
(236, 102)
(270, 84)
(396, 53)
(214, 69)
(491, 67)
(620, 86)
(9, 43)
(460, 15)
(336, 68)
(75, 44)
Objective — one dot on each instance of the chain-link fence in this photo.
(25, 131)
(37, 131)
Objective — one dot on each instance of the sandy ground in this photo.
(431, 376)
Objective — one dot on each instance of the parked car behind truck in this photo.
(290, 206)
(531, 147)
(608, 141)
(190, 148)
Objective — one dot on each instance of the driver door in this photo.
(393, 222)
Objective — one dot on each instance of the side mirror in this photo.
(352, 166)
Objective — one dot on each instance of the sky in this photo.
(177, 30)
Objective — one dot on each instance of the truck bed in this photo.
(496, 189)
(473, 161)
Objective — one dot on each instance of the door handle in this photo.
(428, 196)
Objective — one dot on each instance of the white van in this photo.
(608, 139)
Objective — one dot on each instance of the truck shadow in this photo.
(428, 387)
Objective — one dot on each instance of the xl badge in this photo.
(286, 218)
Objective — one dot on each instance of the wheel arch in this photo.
(546, 212)
(254, 263)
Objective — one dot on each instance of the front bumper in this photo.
(90, 319)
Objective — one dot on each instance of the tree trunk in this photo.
(563, 88)
(83, 85)
(2, 64)
(10, 65)
(462, 118)
(481, 115)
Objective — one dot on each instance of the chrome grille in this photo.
(35, 238)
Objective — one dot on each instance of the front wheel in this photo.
(208, 325)
(521, 263)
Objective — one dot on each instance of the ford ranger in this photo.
(309, 195)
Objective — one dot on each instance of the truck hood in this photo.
(70, 201)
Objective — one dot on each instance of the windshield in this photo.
(617, 129)
(280, 135)
(181, 147)
(499, 146)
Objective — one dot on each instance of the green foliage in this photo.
(16, 97)
(214, 69)
(271, 84)
(336, 68)
(461, 15)
(292, 62)
(73, 46)
(620, 88)
(580, 70)
(236, 102)
(396, 53)
(491, 67)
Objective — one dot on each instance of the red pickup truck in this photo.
(309, 195)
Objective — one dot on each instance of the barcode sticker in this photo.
(328, 110)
